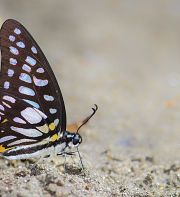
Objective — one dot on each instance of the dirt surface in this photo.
(124, 56)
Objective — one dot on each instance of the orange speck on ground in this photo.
(170, 103)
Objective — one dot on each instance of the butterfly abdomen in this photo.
(25, 152)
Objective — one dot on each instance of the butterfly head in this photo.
(72, 139)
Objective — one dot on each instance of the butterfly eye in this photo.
(76, 139)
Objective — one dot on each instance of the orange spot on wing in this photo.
(54, 137)
(52, 126)
(2, 149)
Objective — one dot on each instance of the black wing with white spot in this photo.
(20, 123)
(30, 98)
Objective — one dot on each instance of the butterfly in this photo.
(32, 110)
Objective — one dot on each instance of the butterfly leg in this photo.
(71, 154)
(67, 153)
(64, 162)
(80, 158)
(64, 154)
(36, 167)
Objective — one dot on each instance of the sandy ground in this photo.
(124, 56)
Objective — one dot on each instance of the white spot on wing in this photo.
(5, 104)
(9, 98)
(26, 68)
(17, 31)
(1, 108)
(34, 104)
(56, 122)
(48, 98)
(40, 70)
(7, 138)
(31, 115)
(6, 84)
(19, 120)
(20, 44)
(10, 72)
(52, 110)
(12, 38)
(41, 113)
(21, 141)
(26, 90)
(27, 132)
(13, 50)
(12, 61)
(34, 50)
(25, 77)
(30, 60)
(40, 82)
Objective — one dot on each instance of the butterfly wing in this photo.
(27, 78)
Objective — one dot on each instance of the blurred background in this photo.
(122, 55)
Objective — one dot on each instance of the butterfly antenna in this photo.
(89, 117)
